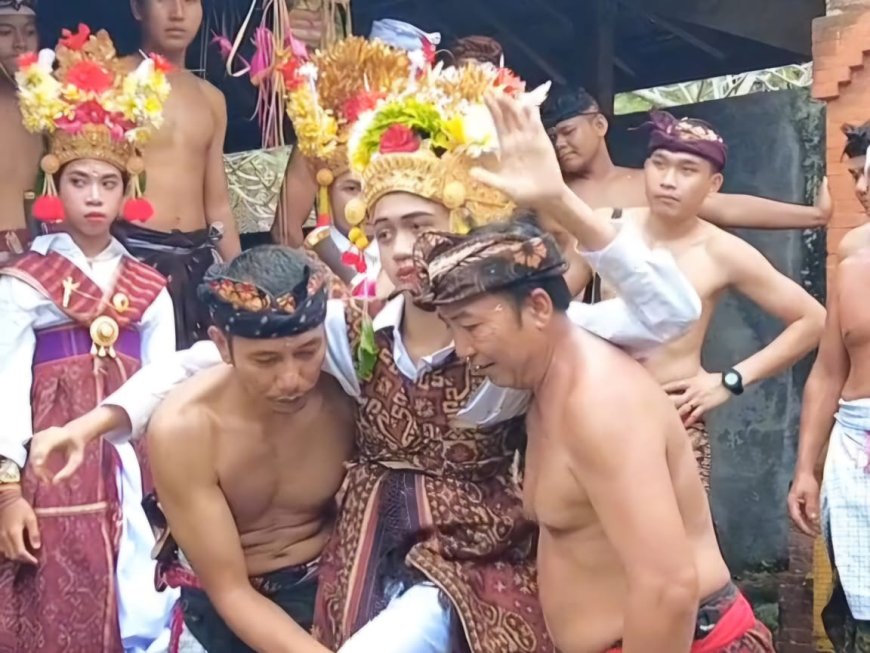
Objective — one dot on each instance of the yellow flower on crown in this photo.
(425, 140)
(90, 107)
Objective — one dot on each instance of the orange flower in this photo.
(90, 76)
(75, 41)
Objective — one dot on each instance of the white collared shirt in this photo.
(656, 304)
(24, 310)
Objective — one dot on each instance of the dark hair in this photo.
(857, 139)
(566, 102)
(481, 48)
(274, 268)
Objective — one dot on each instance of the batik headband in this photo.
(242, 308)
(454, 268)
(688, 135)
(17, 7)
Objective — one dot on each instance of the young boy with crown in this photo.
(431, 551)
(79, 315)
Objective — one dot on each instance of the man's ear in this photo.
(136, 9)
(601, 124)
(716, 182)
(222, 342)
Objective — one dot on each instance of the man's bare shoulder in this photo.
(212, 93)
(855, 242)
(725, 248)
(187, 413)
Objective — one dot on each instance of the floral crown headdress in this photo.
(425, 140)
(89, 107)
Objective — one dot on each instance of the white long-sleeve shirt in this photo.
(24, 310)
(656, 304)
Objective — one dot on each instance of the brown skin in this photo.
(257, 412)
(591, 173)
(714, 261)
(92, 193)
(839, 371)
(626, 548)
(186, 182)
(17, 173)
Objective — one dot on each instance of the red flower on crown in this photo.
(91, 113)
(77, 40)
(508, 80)
(399, 138)
(90, 76)
(359, 104)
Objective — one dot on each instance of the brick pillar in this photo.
(841, 78)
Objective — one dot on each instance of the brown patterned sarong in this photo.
(427, 499)
(700, 440)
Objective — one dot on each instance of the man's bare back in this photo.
(278, 476)
(622, 189)
(18, 173)
(177, 157)
(580, 463)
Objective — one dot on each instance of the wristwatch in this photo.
(733, 382)
(9, 472)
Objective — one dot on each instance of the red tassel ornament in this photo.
(49, 208)
(137, 209)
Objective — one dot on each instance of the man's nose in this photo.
(462, 345)
(403, 246)
(95, 196)
(670, 178)
(176, 9)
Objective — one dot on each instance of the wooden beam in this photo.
(676, 30)
(550, 70)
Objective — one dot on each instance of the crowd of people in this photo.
(399, 431)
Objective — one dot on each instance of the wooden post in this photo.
(597, 52)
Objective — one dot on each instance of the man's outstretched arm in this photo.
(181, 456)
(622, 464)
(730, 211)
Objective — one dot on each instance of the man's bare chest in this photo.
(188, 121)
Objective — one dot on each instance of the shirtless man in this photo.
(684, 167)
(187, 181)
(836, 414)
(627, 556)
(17, 173)
(248, 494)
(577, 127)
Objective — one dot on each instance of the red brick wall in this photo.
(841, 77)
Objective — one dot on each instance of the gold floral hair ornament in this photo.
(425, 140)
(327, 94)
(90, 107)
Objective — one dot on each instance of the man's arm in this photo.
(622, 465)
(297, 197)
(753, 276)
(731, 211)
(217, 192)
(656, 302)
(181, 455)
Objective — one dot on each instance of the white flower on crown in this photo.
(479, 130)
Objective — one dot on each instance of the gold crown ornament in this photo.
(89, 107)
(425, 140)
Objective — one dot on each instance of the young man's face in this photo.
(858, 169)
(498, 337)
(678, 183)
(578, 140)
(92, 193)
(17, 36)
(168, 25)
(345, 187)
(396, 221)
(280, 371)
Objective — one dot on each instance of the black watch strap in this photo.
(733, 381)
